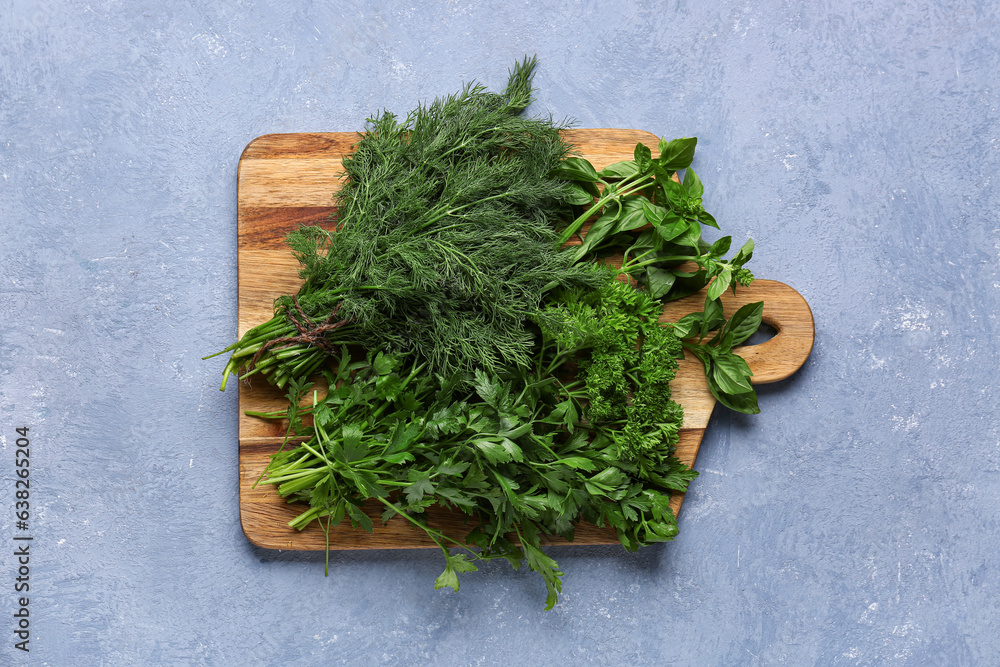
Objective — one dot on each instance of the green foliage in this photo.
(642, 194)
(445, 239)
(503, 377)
(727, 373)
(522, 453)
(629, 362)
(666, 216)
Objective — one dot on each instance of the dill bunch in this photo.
(444, 245)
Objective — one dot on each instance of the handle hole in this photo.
(765, 333)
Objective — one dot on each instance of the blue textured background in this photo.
(853, 522)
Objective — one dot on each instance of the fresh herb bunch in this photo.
(526, 454)
(506, 375)
(644, 194)
(445, 242)
(631, 362)
(655, 221)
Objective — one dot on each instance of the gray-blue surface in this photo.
(854, 521)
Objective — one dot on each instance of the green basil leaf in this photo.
(735, 367)
(693, 184)
(677, 154)
(727, 381)
(576, 169)
(720, 284)
(691, 236)
(645, 240)
(686, 284)
(742, 364)
(625, 169)
(643, 157)
(721, 247)
(725, 344)
(684, 326)
(621, 240)
(663, 176)
(701, 352)
(578, 195)
(654, 213)
(633, 214)
(602, 228)
(745, 403)
(712, 314)
(744, 254)
(706, 218)
(745, 321)
(659, 280)
(672, 227)
(676, 194)
(590, 187)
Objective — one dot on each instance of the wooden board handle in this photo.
(789, 314)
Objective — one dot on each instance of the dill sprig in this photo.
(445, 240)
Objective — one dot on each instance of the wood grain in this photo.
(287, 180)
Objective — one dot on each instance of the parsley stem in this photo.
(278, 479)
(289, 488)
(431, 532)
(326, 532)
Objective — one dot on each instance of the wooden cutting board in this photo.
(288, 180)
